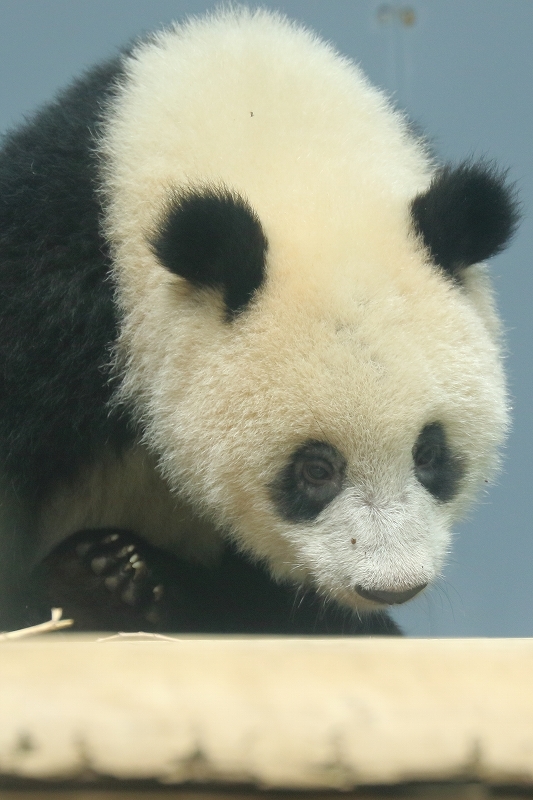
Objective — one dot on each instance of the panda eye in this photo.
(312, 478)
(317, 471)
(426, 455)
(437, 469)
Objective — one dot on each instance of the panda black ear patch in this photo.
(467, 215)
(213, 238)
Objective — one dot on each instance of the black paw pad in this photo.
(121, 560)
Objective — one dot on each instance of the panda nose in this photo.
(390, 598)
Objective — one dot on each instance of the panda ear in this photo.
(467, 215)
(213, 238)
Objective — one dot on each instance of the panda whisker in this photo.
(445, 587)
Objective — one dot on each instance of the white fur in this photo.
(355, 339)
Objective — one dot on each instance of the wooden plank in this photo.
(268, 712)
(418, 792)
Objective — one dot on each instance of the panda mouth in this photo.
(387, 597)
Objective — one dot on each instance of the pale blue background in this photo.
(464, 72)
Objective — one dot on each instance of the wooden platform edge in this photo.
(272, 713)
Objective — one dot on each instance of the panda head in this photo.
(308, 336)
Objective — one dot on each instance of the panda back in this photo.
(57, 314)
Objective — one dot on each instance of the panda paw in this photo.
(117, 558)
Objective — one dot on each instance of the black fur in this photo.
(300, 492)
(467, 215)
(438, 469)
(57, 316)
(213, 238)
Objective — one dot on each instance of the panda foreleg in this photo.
(104, 579)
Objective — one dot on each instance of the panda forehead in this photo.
(392, 366)
(348, 358)
(211, 235)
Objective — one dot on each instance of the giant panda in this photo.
(241, 304)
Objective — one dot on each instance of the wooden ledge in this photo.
(275, 713)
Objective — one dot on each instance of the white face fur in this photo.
(337, 426)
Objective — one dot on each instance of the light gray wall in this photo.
(464, 72)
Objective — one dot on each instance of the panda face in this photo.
(328, 436)
(312, 353)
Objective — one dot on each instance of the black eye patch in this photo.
(311, 479)
(436, 467)
(467, 215)
(213, 238)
